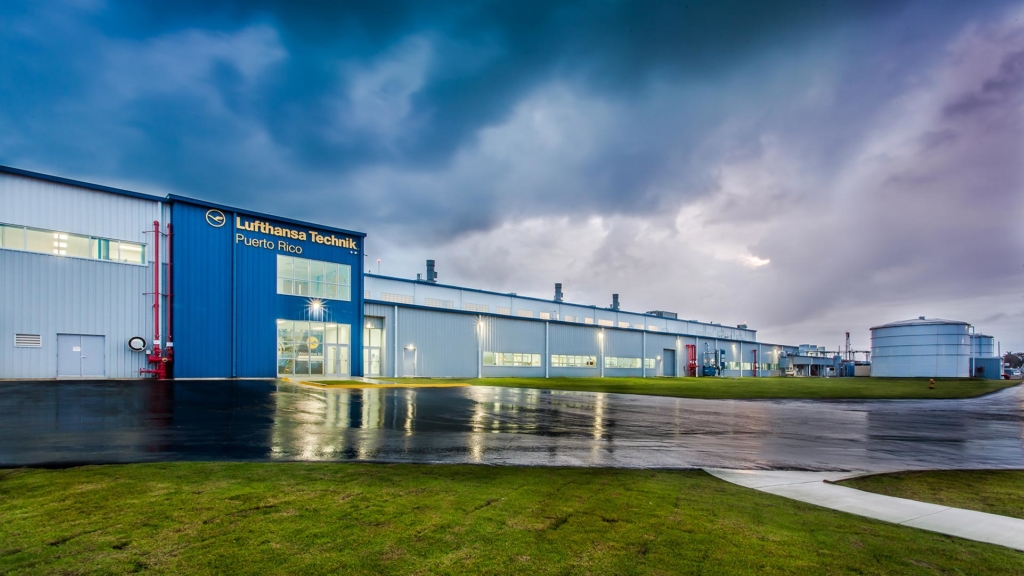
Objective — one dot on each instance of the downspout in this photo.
(394, 345)
(479, 347)
(547, 350)
(643, 352)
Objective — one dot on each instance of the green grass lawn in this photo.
(260, 518)
(993, 491)
(851, 388)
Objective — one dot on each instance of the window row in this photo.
(74, 245)
(749, 366)
(313, 278)
(511, 359)
(567, 361)
(615, 362)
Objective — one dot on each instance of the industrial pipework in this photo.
(156, 355)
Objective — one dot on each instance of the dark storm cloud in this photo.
(486, 58)
(798, 160)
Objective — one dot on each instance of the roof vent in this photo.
(920, 317)
(431, 274)
(615, 302)
(558, 291)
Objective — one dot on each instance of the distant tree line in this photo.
(1014, 359)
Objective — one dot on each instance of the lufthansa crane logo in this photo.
(215, 218)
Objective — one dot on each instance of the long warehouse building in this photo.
(100, 282)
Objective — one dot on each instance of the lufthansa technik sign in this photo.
(261, 227)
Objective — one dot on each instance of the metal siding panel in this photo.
(65, 208)
(48, 295)
(445, 342)
(202, 295)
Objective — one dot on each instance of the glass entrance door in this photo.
(373, 345)
(314, 349)
(337, 360)
(373, 361)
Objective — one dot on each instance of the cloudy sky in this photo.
(804, 167)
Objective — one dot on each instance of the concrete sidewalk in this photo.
(811, 487)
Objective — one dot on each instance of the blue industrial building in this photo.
(103, 282)
(231, 301)
(108, 283)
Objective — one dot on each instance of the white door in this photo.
(409, 363)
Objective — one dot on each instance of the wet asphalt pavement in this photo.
(141, 421)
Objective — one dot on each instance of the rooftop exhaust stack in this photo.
(431, 274)
(558, 291)
(615, 301)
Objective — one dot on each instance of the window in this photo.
(588, 320)
(605, 323)
(614, 362)
(638, 326)
(439, 303)
(652, 328)
(569, 318)
(650, 363)
(525, 313)
(475, 307)
(511, 359)
(545, 316)
(567, 361)
(313, 278)
(623, 324)
(396, 298)
(12, 237)
(504, 310)
(74, 245)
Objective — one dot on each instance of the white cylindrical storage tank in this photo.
(922, 348)
(983, 346)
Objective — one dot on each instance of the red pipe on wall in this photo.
(156, 288)
(155, 357)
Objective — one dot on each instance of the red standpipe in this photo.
(160, 371)
(691, 359)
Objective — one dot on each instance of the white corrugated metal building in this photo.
(454, 331)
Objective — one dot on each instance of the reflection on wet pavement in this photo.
(62, 422)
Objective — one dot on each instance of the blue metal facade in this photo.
(225, 301)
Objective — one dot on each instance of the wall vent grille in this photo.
(475, 307)
(28, 341)
(439, 303)
(398, 298)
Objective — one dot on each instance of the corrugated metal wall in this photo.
(49, 295)
(445, 343)
(418, 292)
(46, 295)
(447, 346)
(67, 208)
(516, 336)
